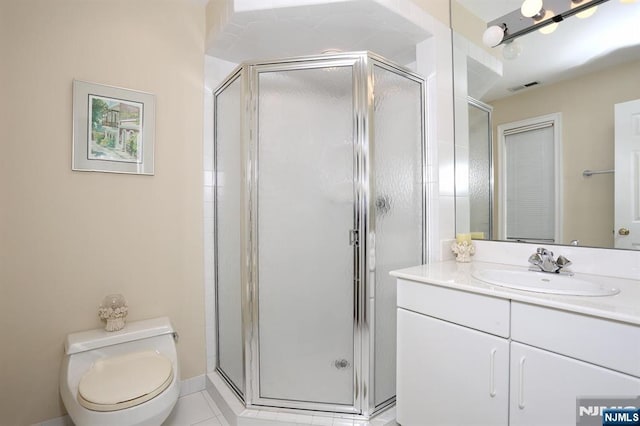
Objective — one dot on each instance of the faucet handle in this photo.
(563, 261)
(535, 259)
(544, 252)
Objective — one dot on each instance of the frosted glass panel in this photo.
(479, 171)
(228, 208)
(397, 177)
(530, 183)
(305, 212)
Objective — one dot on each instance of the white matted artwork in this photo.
(113, 129)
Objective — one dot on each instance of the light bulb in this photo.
(511, 50)
(531, 8)
(549, 28)
(493, 35)
(585, 13)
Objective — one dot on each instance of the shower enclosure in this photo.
(319, 193)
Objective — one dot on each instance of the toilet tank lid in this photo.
(99, 338)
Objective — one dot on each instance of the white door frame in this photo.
(627, 173)
(555, 120)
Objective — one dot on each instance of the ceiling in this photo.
(578, 46)
(250, 31)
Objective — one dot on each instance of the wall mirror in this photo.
(547, 127)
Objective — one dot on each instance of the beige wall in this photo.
(470, 26)
(439, 9)
(586, 104)
(69, 238)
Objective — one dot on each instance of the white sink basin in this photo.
(543, 282)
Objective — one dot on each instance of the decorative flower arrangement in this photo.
(114, 310)
(463, 248)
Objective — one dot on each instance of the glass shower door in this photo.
(480, 169)
(305, 211)
(228, 204)
(397, 211)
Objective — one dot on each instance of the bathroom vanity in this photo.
(472, 353)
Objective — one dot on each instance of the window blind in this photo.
(530, 183)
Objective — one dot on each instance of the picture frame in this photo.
(113, 129)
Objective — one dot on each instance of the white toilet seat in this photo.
(119, 382)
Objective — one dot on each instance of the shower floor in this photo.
(237, 415)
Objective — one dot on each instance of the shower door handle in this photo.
(354, 239)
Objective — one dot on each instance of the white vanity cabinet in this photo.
(545, 385)
(474, 359)
(558, 356)
(449, 373)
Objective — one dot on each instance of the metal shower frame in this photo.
(362, 64)
(488, 109)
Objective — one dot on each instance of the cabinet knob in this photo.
(623, 231)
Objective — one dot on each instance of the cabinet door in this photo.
(544, 386)
(449, 375)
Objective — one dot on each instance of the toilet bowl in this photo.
(127, 378)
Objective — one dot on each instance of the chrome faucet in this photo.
(543, 260)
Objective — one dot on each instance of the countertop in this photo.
(624, 306)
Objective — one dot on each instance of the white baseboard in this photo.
(58, 421)
(193, 385)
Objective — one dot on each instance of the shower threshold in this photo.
(236, 414)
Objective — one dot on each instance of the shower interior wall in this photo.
(374, 119)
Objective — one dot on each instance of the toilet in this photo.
(126, 378)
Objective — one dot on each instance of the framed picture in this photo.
(113, 129)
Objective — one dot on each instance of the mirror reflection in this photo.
(548, 125)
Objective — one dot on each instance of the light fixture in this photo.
(511, 50)
(532, 16)
(493, 35)
(531, 8)
(549, 28)
(585, 13)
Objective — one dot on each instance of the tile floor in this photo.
(196, 409)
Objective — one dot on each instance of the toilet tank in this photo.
(133, 331)
(82, 349)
